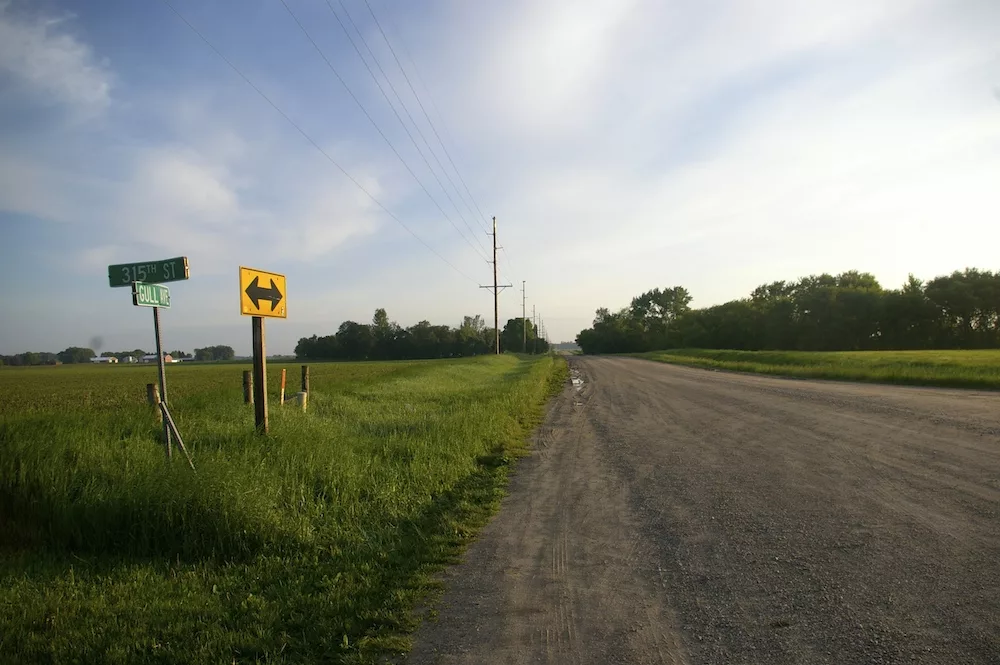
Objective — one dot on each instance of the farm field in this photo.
(959, 369)
(313, 544)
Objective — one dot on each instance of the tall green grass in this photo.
(310, 545)
(959, 369)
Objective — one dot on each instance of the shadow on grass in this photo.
(347, 601)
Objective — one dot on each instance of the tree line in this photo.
(74, 354)
(846, 312)
(79, 354)
(383, 339)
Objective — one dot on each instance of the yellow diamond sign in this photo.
(262, 293)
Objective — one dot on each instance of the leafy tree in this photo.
(385, 339)
(356, 340)
(513, 335)
(220, 352)
(470, 337)
(849, 311)
(74, 354)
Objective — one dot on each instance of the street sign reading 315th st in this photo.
(262, 293)
(150, 272)
(150, 295)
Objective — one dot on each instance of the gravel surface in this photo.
(677, 515)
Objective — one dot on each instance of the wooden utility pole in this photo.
(497, 288)
(524, 321)
(535, 339)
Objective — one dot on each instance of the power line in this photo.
(416, 71)
(310, 139)
(430, 122)
(372, 120)
(510, 264)
(409, 115)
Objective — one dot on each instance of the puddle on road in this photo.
(577, 380)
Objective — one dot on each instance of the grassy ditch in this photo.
(958, 369)
(310, 545)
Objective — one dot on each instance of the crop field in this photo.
(313, 544)
(959, 369)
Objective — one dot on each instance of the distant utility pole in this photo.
(524, 321)
(534, 320)
(497, 288)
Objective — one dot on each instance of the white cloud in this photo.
(723, 144)
(622, 144)
(39, 53)
(179, 198)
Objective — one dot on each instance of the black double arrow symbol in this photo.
(256, 293)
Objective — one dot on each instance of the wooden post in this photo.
(247, 386)
(282, 400)
(153, 399)
(259, 375)
(305, 378)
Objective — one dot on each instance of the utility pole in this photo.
(524, 321)
(534, 320)
(497, 288)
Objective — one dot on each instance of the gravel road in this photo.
(677, 515)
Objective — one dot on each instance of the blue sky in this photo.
(622, 145)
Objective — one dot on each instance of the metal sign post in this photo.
(259, 301)
(156, 296)
(163, 378)
(145, 278)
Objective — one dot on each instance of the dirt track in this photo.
(675, 515)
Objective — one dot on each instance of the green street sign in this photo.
(149, 272)
(150, 295)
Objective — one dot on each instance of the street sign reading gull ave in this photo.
(150, 295)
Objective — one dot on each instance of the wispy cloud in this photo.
(49, 62)
(623, 144)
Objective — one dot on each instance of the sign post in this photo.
(144, 278)
(156, 296)
(163, 377)
(262, 294)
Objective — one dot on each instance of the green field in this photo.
(311, 545)
(959, 369)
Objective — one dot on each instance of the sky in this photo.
(621, 144)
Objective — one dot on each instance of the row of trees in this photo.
(387, 340)
(74, 354)
(220, 352)
(77, 354)
(846, 312)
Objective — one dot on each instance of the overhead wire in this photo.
(312, 141)
(416, 71)
(510, 272)
(427, 117)
(409, 115)
(368, 115)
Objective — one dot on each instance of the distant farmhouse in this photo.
(111, 360)
(151, 358)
